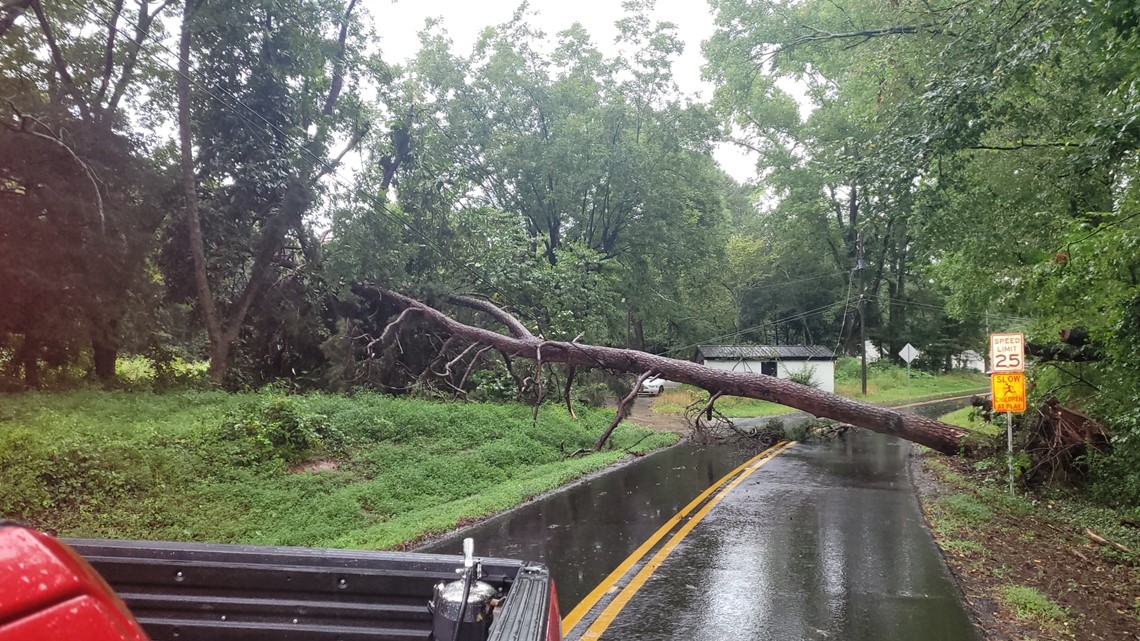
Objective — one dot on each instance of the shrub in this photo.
(804, 376)
(277, 426)
(591, 395)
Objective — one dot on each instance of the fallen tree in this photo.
(522, 343)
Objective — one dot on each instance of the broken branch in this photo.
(622, 410)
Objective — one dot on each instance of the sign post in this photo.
(1007, 383)
(908, 354)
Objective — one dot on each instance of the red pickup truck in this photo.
(107, 590)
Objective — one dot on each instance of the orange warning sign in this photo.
(1009, 391)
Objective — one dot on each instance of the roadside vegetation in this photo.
(887, 384)
(366, 471)
(1055, 564)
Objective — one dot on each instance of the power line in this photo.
(782, 321)
(792, 282)
(846, 305)
(942, 308)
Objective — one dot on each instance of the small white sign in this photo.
(908, 353)
(1007, 352)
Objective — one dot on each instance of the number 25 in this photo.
(1007, 360)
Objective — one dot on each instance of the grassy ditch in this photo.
(1029, 554)
(369, 471)
(886, 384)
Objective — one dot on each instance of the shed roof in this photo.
(765, 352)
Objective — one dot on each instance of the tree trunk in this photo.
(29, 354)
(190, 193)
(925, 431)
(104, 353)
(219, 362)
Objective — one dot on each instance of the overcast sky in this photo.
(398, 24)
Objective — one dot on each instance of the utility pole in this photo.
(862, 313)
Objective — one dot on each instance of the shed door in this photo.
(768, 368)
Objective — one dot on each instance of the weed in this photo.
(1028, 603)
(967, 508)
(962, 546)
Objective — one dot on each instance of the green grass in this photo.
(967, 418)
(212, 466)
(889, 384)
(1028, 603)
(962, 546)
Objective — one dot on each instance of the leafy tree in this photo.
(274, 88)
(523, 157)
(84, 195)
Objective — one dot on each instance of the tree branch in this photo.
(60, 62)
(22, 126)
(819, 35)
(471, 365)
(338, 66)
(934, 434)
(570, 370)
(142, 29)
(622, 410)
(109, 51)
(1023, 145)
(11, 11)
(517, 329)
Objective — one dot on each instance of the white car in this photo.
(652, 386)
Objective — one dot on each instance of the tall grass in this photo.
(317, 470)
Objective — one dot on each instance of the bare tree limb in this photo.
(29, 124)
(109, 51)
(471, 365)
(570, 371)
(925, 431)
(331, 166)
(622, 410)
(60, 62)
(517, 329)
(390, 332)
(511, 370)
(338, 66)
(458, 359)
(708, 409)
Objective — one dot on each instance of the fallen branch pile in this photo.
(1058, 438)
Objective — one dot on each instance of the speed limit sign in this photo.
(1007, 352)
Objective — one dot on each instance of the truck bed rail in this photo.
(214, 592)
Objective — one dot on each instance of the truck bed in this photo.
(212, 592)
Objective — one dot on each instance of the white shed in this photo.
(780, 361)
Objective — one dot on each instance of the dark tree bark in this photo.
(1064, 353)
(925, 431)
(29, 354)
(104, 356)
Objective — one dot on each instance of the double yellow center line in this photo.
(611, 611)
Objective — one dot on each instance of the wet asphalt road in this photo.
(584, 532)
(824, 542)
